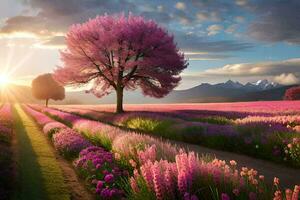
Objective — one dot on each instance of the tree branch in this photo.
(98, 68)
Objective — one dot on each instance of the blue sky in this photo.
(243, 40)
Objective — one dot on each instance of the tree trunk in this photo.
(119, 92)
(47, 100)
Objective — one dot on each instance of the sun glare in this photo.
(4, 79)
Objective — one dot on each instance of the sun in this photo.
(4, 79)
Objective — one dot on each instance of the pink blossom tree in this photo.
(119, 52)
(292, 93)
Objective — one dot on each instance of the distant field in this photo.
(257, 106)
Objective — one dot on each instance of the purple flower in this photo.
(99, 164)
(109, 178)
(69, 143)
(99, 185)
(225, 196)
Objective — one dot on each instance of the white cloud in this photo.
(284, 72)
(214, 29)
(205, 16)
(202, 16)
(231, 29)
(241, 2)
(286, 79)
(180, 6)
(239, 19)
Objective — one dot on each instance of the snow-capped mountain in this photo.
(265, 84)
(255, 86)
(231, 84)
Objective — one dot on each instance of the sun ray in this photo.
(9, 58)
(20, 63)
(4, 79)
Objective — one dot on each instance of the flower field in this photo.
(267, 130)
(143, 161)
(120, 160)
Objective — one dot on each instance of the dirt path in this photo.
(288, 176)
(75, 186)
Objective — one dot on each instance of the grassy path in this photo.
(39, 174)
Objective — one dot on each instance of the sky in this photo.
(241, 40)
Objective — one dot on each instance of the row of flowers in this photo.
(287, 123)
(6, 162)
(282, 121)
(94, 164)
(267, 139)
(161, 171)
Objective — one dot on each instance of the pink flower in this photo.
(158, 181)
(277, 195)
(288, 194)
(134, 185)
(109, 178)
(276, 181)
(132, 163)
(225, 196)
(236, 192)
(182, 182)
(233, 163)
(296, 192)
(99, 184)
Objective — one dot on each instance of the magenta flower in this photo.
(225, 196)
(109, 178)
(98, 165)
(69, 143)
(99, 185)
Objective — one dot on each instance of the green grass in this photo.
(166, 129)
(39, 174)
(214, 120)
(150, 125)
(161, 128)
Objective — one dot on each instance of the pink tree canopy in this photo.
(117, 52)
(292, 93)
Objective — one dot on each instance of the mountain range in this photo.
(229, 91)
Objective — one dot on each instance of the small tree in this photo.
(292, 93)
(116, 52)
(44, 87)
